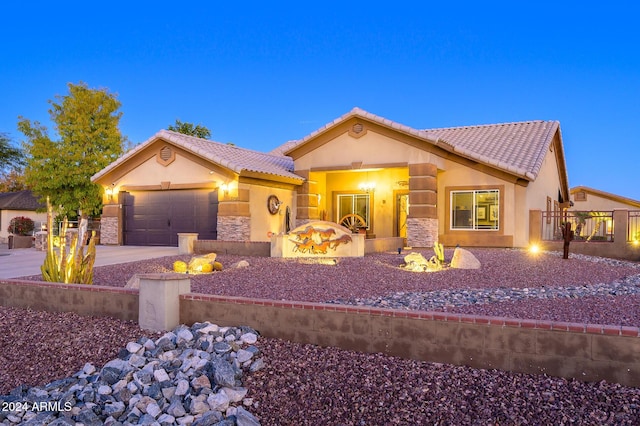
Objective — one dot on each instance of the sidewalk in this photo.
(17, 263)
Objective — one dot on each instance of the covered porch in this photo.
(383, 201)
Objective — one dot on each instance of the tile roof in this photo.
(518, 148)
(232, 157)
(20, 200)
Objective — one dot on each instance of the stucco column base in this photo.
(186, 242)
(159, 303)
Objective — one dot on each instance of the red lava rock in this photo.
(309, 385)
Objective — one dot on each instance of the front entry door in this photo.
(402, 212)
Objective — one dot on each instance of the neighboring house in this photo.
(472, 186)
(20, 203)
(599, 206)
(589, 199)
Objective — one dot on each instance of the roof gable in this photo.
(516, 148)
(236, 159)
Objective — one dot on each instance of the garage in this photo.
(154, 218)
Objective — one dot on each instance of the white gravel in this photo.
(309, 385)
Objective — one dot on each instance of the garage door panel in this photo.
(156, 217)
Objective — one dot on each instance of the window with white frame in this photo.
(355, 204)
(475, 210)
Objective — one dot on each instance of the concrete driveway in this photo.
(17, 263)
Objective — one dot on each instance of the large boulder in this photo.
(464, 259)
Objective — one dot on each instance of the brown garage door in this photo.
(154, 218)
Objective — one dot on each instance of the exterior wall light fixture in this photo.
(368, 187)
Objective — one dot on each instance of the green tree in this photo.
(12, 181)
(87, 122)
(191, 130)
(12, 161)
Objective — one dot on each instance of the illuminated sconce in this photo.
(319, 198)
(110, 191)
(367, 186)
(225, 188)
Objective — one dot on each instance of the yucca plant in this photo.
(439, 250)
(436, 263)
(68, 264)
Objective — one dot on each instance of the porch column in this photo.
(111, 225)
(306, 200)
(234, 216)
(422, 222)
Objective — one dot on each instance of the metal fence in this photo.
(633, 228)
(586, 225)
(92, 225)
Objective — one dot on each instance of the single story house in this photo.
(589, 199)
(600, 207)
(19, 203)
(472, 186)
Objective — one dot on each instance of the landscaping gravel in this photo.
(308, 385)
(189, 375)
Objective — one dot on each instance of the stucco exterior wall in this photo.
(460, 177)
(263, 222)
(546, 184)
(180, 172)
(372, 148)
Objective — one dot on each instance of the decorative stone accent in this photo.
(234, 228)
(109, 230)
(41, 240)
(421, 231)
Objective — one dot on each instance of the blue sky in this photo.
(261, 73)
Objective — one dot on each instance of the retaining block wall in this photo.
(88, 300)
(581, 351)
